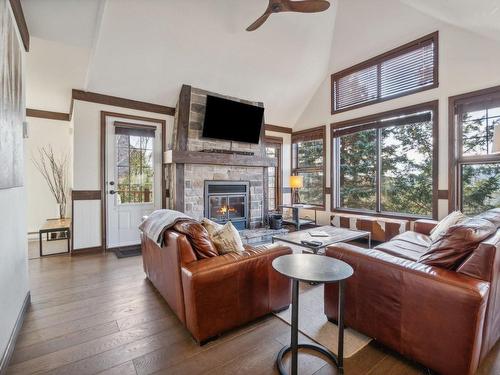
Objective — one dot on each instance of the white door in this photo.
(133, 177)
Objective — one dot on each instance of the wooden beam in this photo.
(93, 97)
(276, 128)
(47, 114)
(86, 195)
(215, 158)
(17, 9)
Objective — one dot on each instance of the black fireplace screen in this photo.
(227, 201)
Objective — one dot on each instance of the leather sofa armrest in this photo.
(387, 293)
(229, 290)
(424, 226)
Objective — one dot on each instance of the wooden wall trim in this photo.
(30, 112)
(279, 129)
(86, 195)
(93, 97)
(442, 194)
(17, 9)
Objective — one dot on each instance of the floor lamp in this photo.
(296, 183)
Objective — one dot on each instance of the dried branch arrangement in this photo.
(55, 172)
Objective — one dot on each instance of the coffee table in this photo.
(335, 235)
(312, 269)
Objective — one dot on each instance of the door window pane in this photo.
(480, 187)
(406, 169)
(134, 168)
(358, 170)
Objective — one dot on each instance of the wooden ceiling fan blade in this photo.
(308, 6)
(259, 22)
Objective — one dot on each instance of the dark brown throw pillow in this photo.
(493, 216)
(198, 238)
(458, 243)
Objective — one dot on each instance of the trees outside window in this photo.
(386, 163)
(308, 161)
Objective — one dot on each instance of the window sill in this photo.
(383, 215)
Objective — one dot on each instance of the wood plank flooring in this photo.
(98, 314)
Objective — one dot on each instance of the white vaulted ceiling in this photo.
(145, 50)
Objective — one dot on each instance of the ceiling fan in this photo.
(277, 6)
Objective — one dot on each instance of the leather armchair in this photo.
(446, 320)
(213, 295)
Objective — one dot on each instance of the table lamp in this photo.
(296, 182)
(496, 139)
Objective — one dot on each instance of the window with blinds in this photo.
(402, 71)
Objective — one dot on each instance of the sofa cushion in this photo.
(440, 229)
(211, 226)
(198, 238)
(227, 239)
(458, 243)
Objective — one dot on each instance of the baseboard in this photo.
(86, 251)
(4, 363)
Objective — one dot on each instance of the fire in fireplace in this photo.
(227, 201)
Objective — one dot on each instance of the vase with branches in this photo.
(54, 170)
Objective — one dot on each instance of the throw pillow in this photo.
(211, 226)
(227, 239)
(440, 229)
(457, 243)
(198, 237)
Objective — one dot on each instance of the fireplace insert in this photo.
(227, 201)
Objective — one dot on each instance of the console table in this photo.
(52, 228)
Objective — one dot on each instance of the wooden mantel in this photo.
(198, 157)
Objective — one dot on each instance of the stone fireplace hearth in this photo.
(192, 163)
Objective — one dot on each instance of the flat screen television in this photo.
(231, 120)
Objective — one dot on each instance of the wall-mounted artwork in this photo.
(11, 103)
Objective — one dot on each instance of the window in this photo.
(308, 161)
(134, 163)
(387, 163)
(474, 166)
(402, 71)
(273, 150)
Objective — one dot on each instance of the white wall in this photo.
(13, 266)
(86, 166)
(467, 62)
(44, 133)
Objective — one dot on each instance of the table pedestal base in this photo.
(318, 348)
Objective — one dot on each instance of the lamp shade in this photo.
(296, 182)
(496, 139)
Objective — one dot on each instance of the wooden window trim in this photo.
(434, 107)
(433, 37)
(273, 141)
(455, 159)
(315, 133)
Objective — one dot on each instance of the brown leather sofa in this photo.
(213, 295)
(447, 320)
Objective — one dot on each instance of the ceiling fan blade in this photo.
(308, 6)
(259, 22)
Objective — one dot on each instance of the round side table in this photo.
(312, 269)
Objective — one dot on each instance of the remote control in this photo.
(312, 243)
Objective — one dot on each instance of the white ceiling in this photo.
(479, 16)
(145, 50)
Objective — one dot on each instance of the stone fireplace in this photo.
(195, 164)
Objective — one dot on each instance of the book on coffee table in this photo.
(318, 233)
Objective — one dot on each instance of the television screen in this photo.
(231, 120)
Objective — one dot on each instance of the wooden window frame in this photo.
(335, 127)
(317, 133)
(455, 159)
(377, 60)
(273, 141)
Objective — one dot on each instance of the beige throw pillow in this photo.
(227, 239)
(456, 217)
(211, 226)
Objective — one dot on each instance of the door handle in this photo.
(112, 192)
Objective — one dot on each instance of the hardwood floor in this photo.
(98, 314)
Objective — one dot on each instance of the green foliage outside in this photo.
(310, 164)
